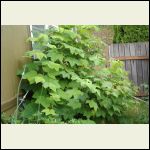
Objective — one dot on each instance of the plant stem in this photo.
(18, 94)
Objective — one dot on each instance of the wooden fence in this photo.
(136, 61)
(13, 47)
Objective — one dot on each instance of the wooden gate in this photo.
(136, 61)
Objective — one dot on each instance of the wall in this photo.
(13, 47)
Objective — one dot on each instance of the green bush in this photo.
(63, 85)
(130, 33)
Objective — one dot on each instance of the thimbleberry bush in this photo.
(63, 84)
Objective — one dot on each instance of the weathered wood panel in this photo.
(13, 48)
(136, 59)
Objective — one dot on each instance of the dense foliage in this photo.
(130, 33)
(63, 84)
(137, 113)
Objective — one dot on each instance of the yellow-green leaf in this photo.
(48, 111)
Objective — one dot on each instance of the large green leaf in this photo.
(30, 110)
(39, 78)
(52, 65)
(92, 104)
(74, 50)
(62, 94)
(51, 83)
(30, 76)
(74, 84)
(50, 72)
(72, 61)
(74, 103)
(88, 83)
(68, 34)
(42, 38)
(106, 103)
(55, 96)
(48, 111)
(65, 74)
(69, 93)
(95, 59)
(115, 92)
(44, 101)
(37, 53)
(58, 37)
(107, 84)
(32, 66)
(51, 46)
(55, 55)
(83, 62)
(74, 92)
(63, 84)
(67, 112)
(116, 108)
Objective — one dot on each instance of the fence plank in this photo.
(121, 53)
(116, 50)
(139, 66)
(111, 51)
(128, 62)
(147, 52)
(133, 64)
(144, 64)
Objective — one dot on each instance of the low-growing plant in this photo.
(63, 85)
(137, 113)
(5, 118)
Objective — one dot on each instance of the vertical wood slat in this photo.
(111, 51)
(133, 64)
(128, 62)
(147, 53)
(116, 50)
(144, 64)
(139, 66)
(122, 53)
